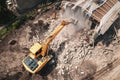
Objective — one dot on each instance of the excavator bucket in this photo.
(75, 15)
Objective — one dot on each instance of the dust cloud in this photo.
(78, 19)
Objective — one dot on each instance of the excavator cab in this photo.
(36, 49)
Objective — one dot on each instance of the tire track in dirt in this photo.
(106, 70)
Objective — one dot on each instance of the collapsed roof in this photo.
(105, 12)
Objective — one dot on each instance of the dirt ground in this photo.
(75, 57)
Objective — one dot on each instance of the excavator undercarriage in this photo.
(33, 63)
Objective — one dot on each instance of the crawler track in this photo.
(107, 69)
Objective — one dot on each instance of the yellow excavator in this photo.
(38, 56)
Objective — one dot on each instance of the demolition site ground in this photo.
(75, 58)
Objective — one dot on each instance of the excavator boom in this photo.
(52, 36)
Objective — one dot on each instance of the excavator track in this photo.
(101, 11)
(107, 69)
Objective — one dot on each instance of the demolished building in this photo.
(86, 12)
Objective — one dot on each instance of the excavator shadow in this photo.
(50, 66)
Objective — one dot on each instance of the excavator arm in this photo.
(38, 56)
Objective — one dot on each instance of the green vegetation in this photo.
(16, 23)
(3, 7)
(5, 14)
(3, 10)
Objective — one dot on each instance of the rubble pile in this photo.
(74, 51)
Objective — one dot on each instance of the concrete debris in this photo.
(84, 10)
(53, 16)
